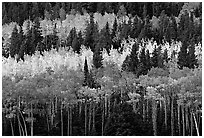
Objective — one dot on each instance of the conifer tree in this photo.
(131, 62)
(75, 45)
(80, 38)
(14, 40)
(154, 58)
(97, 56)
(21, 45)
(105, 38)
(183, 56)
(142, 70)
(114, 30)
(37, 35)
(86, 73)
(159, 57)
(91, 34)
(137, 26)
(165, 56)
(71, 36)
(28, 37)
(88, 77)
(192, 61)
(148, 60)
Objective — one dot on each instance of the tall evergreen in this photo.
(137, 26)
(165, 56)
(76, 45)
(21, 45)
(91, 33)
(148, 60)
(71, 36)
(183, 56)
(14, 40)
(114, 30)
(97, 56)
(131, 62)
(160, 57)
(154, 58)
(105, 38)
(192, 61)
(142, 70)
(88, 77)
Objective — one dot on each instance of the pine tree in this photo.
(154, 58)
(192, 61)
(114, 30)
(160, 57)
(183, 56)
(165, 56)
(71, 36)
(91, 34)
(143, 63)
(37, 42)
(105, 38)
(80, 38)
(21, 45)
(97, 56)
(137, 26)
(148, 60)
(28, 37)
(88, 77)
(14, 40)
(131, 62)
(126, 29)
(75, 45)
(86, 73)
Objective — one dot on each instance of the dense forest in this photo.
(102, 68)
(151, 20)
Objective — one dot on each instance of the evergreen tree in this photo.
(20, 45)
(71, 36)
(142, 70)
(86, 73)
(76, 45)
(137, 26)
(154, 58)
(80, 38)
(97, 56)
(105, 38)
(14, 40)
(159, 57)
(148, 60)
(91, 34)
(27, 44)
(114, 30)
(37, 42)
(183, 56)
(165, 56)
(88, 77)
(126, 29)
(192, 61)
(131, 62)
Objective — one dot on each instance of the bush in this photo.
(155, 72)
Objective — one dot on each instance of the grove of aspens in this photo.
(102, 68)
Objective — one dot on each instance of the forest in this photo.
(101, 68)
